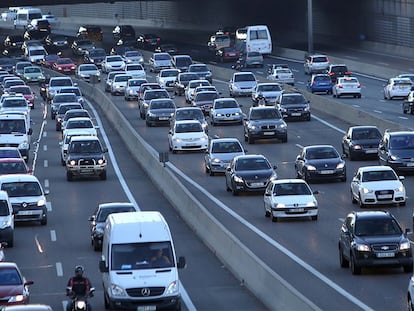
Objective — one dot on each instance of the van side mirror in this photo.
(102, 267)
(181, 262)
(30, 131)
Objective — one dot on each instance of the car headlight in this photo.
(41, 202)
(150, 114)
(6, 223)
(394, 158)
(24, 145)
(177, 140)
(356, 147)
(366, 190)
(216, 160)
(252, 127)
(17, 298)
(362, 247)
(400, 189)
(117, 290)
(405, 245)
(282, 126)
(101, 161)
(173, 288)
(282, 109)
(72, 162)
(236, 87)
(340, 165)
(99, 230)
(204, 138)
(311, 204)
(273, 176)
(238, 179)
(310, 168)
(280, 205)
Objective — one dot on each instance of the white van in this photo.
(6, 220)
(35, 54)
(254, 39)
(25, 15)
(15, 133)
(139, 267)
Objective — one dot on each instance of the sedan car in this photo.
(205, 100)
(242, 84)
(294, 106)
(202, 71)
(167, 77)
(99, 217)
(187, 135)
(289, 198)
(14, 166)
(137, 71)
(132, 88)
(190, 113)
(80, 46)
(397, 87)
(373, 185)
(361, 141)
(251, 59)
(159, 61)
(347, 86)
(270, 91)
(113, 63)
(249, 173)
(64, 65)
(320, 83)
(86, 71)
(220, 153)
(281, 74)
(320, 162)
(226, 110)
(264, 123)
(133, 56)
(33, 74)
(14, 288)
(119, 83)
(160, 111)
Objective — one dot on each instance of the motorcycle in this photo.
(80, 303)
(238, 66)
(2, 247)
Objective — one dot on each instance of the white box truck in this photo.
(138, 265)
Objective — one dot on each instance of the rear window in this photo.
(320, 59)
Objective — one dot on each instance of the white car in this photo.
(242, 84)
(189, 90)
(410, 294)
(85, 71)
(281, 75)
(112, 63)
(52, 19)
(288, 198)
(167, 77)
(270, 91)
(347, 86)
(226, 110)
(132, 88)
(397, 87)
(133, 57)
(119, 83)
(80, 123)
(187, 135)
(109, 78)
(137, 71)
(374, 185)
(159, 61)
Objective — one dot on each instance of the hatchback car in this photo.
(191, 86)
(264, 123)
(33, 74)
(98, 219)
(373, 239)
(320, 162)
(14, 288)
(220, 153)
(119, 83)
(190, 113)
(202, 71)
(294, 106)
(249, 173)
(64, 65)
(160, 111)
(61, 111)
(226, 110)
(316, 63)
(148, 96)
(396, 149)
(242, 84)
(13, 166)
(132, 87)
(290, 198)
(205, 100)
(361, 141)
(373, 185)
(137, 71)
(133, 56)
(281, 74)
(251, 59)
(397, 88)
(320, 83)
(227, 54)
(336, 71)
(346, 86)
(187, 135)
(182, 81)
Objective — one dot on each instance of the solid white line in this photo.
(59, 269)
(53, 235)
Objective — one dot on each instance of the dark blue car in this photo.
(320, 83)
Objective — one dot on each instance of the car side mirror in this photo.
(401, 177)
(102, 267)
(181, 264)
(30, 131)
(315, 192)
(275, 167)
(46, 192)
(407, 230)
(105, 150)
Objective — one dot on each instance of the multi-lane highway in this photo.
(303, 252)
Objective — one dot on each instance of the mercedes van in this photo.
(24, 16)
(138, 265)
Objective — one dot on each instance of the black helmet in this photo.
(79, 269)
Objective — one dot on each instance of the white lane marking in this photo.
(46, 182)
(41, 134)
(404, 118)
(383, 64)
(59, 269)
(377, 111)
(49, 206)
(44, 147)
(45, 163)
(38, 245)
(44, 134)
(186, 299)
(356, 106)
(53, 235)
(329, 124)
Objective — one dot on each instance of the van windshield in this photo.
(138, 256)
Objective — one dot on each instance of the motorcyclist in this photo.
(261, 100)
(78, 286)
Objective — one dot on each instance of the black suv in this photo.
(264, 123)
(338, 70)
(294, 106)
(396, 149)
(373, 238)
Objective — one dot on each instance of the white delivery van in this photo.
(15, 133)
(138, 265)
(25, 15)
(254, 38)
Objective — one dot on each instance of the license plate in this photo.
(86, 171)
(164, 118)
(232, 54)
(297, 210)
(372, 151)
(27, 212)
(296, 114)
(410, 164)
(146, 308)
(268, 133)
(256, 184)
(385, 255)
(385, 196)
(326, 172)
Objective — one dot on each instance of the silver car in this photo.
(242, 84)
(85, 71)
(220, 153)
(270, 91)
(159, 61)
(226, 110)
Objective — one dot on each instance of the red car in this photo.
(14, 166)
(14, 288)
(27, 93)
(227, 54)
(64, 65)
(49, 60)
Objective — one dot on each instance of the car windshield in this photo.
(198, 68)
(64, 108)
(244, 78)
(9, 276)
(187, 77)
(210, 96)
(87, 146)
(167, 104)
(225, 104)
(65, 98)
(8, 167)
(369, 227)
(379, 176)
(104, 212)
(291, 189)
(226, 147)
(69, 114)
(97, 53)
(252, 164)
(169, 73)
(114, 59)
(21, 102)
(12, 126)
(61, 82)
(189, 115)
(64, 61)
(132, 82)
(32, 70)
(188, 128)
(402, 142)
(162, 57)
(269, 88)
(322, 79)
(121, 78)
(321, 153)
(75, 91)
(183, 61)
(154, 95)
(293, 100)
(22, 189)
(264, 114)
(134, 67)
(132, 54)
(138, 256)
(366, 134)
(79, 124)
(320, 59)
(88, 68)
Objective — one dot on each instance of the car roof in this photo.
(318, 146)
(373, 214)
(186, 122)
(249, 156)
(30, 307)
(84, 138)
(8, 264)
(18, 178)
(220, 140)
(116, 204)
(289, 180)
(363, 127)
(375, 168)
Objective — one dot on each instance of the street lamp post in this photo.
(310, 27)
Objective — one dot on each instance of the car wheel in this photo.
(284, 139)
(408, 268)
(359, 95)
(274, 218)
(69, 176)
(361, 204)
(353, 200)
(410, 303)
(355, 269)
(403, 203)
(102, 176)
(96, 247)
(62, 161)
(305, 177)
(333, 95)
(148, 123)
(234, 191)
(206, 169)
(342, 260)
(250, 139)
(343, 179)
(43, 222)
(267, 213)
(211, 172)
(315, 217)
(351, 156)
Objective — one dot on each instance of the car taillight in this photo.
(331, 73)
(158, 39)
(359, 85)
(146, 40)
(340, 86)
(327, 60)
(347, 72)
